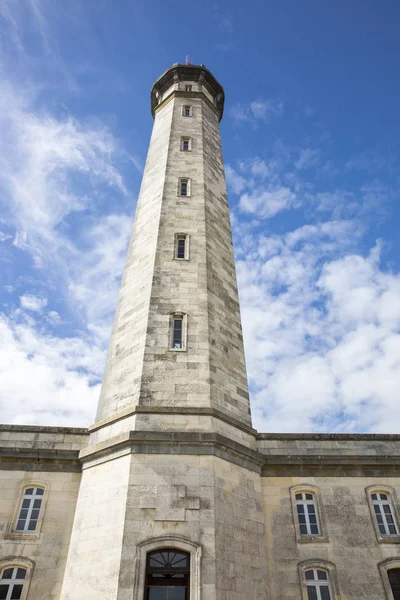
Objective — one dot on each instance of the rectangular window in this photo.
(11, 583)
(188, 88)
(177, 338)
(186, 144)
(307, 514)
(184, 187)
(187, 111)
(30, 509)
(181, 246)
(383, 514)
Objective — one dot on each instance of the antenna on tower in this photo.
(188, 60)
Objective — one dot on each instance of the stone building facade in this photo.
(171, 494)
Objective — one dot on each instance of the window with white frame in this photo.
(186, 144)
(307, 513)
(184, 186)
(12, 582)
(188, 88)
(187, 110)
(384, 514)
(29, 511)
(181, 249)
(317, 584)
(178, 325)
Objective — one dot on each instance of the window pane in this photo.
(7, 573)
(302, 519)
(300, 509)
(303, 529)
(181, 248)
(312, 592)
(377, 509)
(40, 491)
(20, 525)
(299, 496)
(25, 503)
(325, 594)
(382, 529)
(29, 491)
(35, 514)
(373, 496)
(383, 496)
(24, 513)
(386, 509)
(392, 530)
(314, 530)
(32, 526)
(309, 496)
(322, 575)
(309, 575)
(16, 593)
(3, 592)
(312, 518)
(21, 573)
(37, 503)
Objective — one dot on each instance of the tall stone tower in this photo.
(171, 461)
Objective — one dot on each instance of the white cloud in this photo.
(266, 204)
(308, 157)
(4, 237)
(322, 331)
(33, 303)
(45, 379)
(262, 110)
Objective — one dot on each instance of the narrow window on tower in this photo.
(178, 325)
(307, 514)
(187, 111)
(181, 247)
(188, 88)
(186, 144)
(184, 187)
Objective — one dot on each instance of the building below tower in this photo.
(172, 494)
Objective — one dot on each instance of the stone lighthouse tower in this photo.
(170, 504)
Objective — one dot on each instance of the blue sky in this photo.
(311, 148)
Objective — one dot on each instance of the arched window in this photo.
(12, 583)
(383, 506)
(308, 514)
(167, 575)
(394, 581)
(383, 513)
(29, 511)
(317, 584)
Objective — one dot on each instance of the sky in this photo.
(311, 149)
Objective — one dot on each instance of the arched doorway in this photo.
(394, 580)
(167, 575)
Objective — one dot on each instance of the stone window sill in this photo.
(392, 539)
(312, 539)
(23, 536)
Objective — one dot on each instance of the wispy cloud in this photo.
(257, 111)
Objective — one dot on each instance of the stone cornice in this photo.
(39, 459)
(180, 93)
(170, 442)
(385, 437)
(45, 429)
(198, 411)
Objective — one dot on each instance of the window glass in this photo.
(383, 514)
(184, 187)
(30, 510)
(307, 514)
(187, 111)
(317, 583)
(167, 575)
(180, 247)
(394, 580)
(12, 583)
(177, 332)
